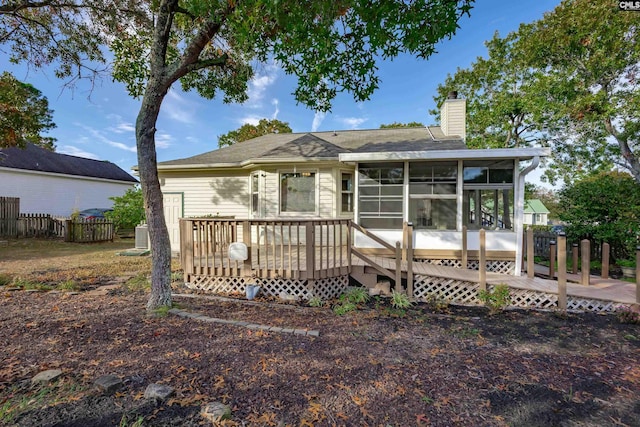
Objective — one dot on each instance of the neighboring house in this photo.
(58, 184)
(379, 178)
(535, 213)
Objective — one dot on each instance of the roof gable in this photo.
(306, 146)
(34, 158)
(535, 206)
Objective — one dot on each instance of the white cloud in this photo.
(177, 107)
(352, 122)
(121, 125)
(98, 136)
(251, 119)
(276, 103)
(318, 117)
(260, 83)
(163, 140)
(75, 151)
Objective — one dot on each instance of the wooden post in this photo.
(482, 262)
(531, 272)
(605, 260)
(398, 287)
(638, 275)
(562, 271)
(410, 259)
(350, 237)
(552, 259)
(574, 258)
(585, 266)
(247, 269)
(464, 261)
(310, 241)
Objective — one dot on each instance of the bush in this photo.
(128, 209)
(497, 299)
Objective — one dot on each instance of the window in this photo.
(380, 199)
(346, 192)
(255, 179)
(298, 192)
(488, 194)
(432, 195)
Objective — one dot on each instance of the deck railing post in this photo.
(482, 261)
(605, 260)
(552, 259)
(574, 258)
(410, 259)
(530, 254)
(562, 271)
(247, 269)
(310, 241)
(398, 287)
(350, 230)
(585, 267)
(465, 256)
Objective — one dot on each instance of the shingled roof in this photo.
(34, 158)
(321, 145)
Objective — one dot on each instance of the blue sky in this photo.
(99, 122)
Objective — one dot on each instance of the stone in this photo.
(47, 376)
(158, 392)
(108, 383)
(384, 288)
(288, 297)
(216, 412)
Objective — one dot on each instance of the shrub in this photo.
(627, 315)
(497, 299)
(128, 209)
(400, 300)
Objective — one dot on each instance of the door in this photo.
(173, 203)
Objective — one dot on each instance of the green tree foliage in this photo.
(249, 131)
(401, 125)
(568, 81)
(24, 114)
(604, 208)
(211, 46)
(128, 209)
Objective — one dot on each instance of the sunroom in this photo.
(447, 196)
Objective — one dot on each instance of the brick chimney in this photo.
(453, 113)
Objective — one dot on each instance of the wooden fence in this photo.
(87, 231)
(9, 211)
(40, 225)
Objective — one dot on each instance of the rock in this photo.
(46, 377)
(108, 383)
(288, 297)
(158, 391)
(216, 412)
(384, 288)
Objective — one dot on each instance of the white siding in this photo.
(443, 240)
(452, 117)
(211, 194)
(58, 195)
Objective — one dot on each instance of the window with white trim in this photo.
(255, 194)
(298, 192)
(488, 194)
(432, 195)
(380, 187)
(346, 192)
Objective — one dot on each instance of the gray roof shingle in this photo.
(35, 158)
(293, 146)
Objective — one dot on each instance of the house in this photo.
(59, 184)
(380, 178)
(535, 213)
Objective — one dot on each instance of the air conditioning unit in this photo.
(142, 237)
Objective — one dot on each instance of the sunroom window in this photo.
(488, 194)
(298, 192)
(432, 195)
(346, 192)
(380, 199)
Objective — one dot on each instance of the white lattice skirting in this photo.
(494, 266)
(327, 288)
(466, 293)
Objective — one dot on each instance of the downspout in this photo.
(519, 213)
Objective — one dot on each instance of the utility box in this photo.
(142, 237)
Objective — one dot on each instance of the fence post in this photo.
(530, 254)
(482, 261)
(605, 261)
(562, 271)
(310, 241)
(585, 267)
(410, 259)
(574, 258)
(552, 259)
(398, 279)
(246, 239)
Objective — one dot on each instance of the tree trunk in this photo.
(153, 203)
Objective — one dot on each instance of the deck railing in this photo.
(289, 249)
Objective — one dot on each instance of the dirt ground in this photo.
(371, 367)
